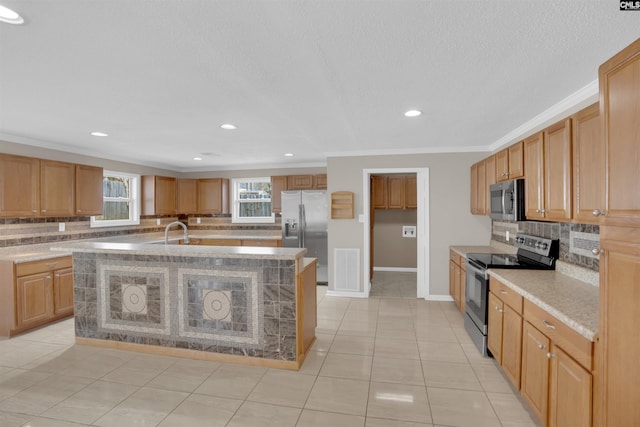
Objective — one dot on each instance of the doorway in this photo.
(418, 274)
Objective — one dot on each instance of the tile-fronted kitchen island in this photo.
(241, 304)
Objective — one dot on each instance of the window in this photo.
(252, 200)
(121, 200)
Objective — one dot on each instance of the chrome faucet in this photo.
(184, 227)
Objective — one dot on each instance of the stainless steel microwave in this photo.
(507, 200)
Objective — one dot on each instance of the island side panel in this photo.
(243, 307)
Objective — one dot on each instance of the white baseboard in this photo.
(346, 294)
(438, 298)
(399, 269)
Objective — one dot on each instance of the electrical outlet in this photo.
(157, 221)
(198, 220)
(61, 226)
(507, 235)
(408, 231)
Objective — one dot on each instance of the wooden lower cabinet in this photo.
(570, 392)
(494, 335)
(457, 279)
(535, 370)
(35, 293)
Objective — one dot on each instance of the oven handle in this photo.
(476, 269)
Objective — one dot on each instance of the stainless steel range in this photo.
(534, 253)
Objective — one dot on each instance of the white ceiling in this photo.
(314, 78)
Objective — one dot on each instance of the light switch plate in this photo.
(409, 231)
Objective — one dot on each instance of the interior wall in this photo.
(391, 250)
(252, 173)
(450, 220)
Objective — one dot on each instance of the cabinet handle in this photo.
(503, 292)
(48, 277)
(51, 264)
(44, 210)
(548, 325)
(498, 309)
(550, 355)
(596, 212)
(595, 251)
(35, 211)
(541, 346)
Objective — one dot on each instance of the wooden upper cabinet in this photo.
(57, 184)
(395, 192)
(159, 195)
(620, 112)
(89, 198)
(516, 160)
(300, 182)
(588, 166)
(473, 189)
(320, 181)
(278, 185)
(213, 196)
(510, 162)
(19, 186)
(410, 192)
(557, 167)
(481, 188)
(187, 196)
(534, 179)
(490, 178)
(379, 192)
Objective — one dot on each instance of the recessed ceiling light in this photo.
(228, 126)
(413, 113)
(99, 134)
(288, 154)
(197, 158)
(9, 16)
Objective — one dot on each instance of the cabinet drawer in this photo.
(574, 344)
(506, 294)
(42, 266)
(453, 256)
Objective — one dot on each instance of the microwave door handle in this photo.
(504, 208)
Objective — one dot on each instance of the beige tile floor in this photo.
(377, 362)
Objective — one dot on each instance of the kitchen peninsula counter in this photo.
(252, 305)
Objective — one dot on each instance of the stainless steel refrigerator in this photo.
(305, 215)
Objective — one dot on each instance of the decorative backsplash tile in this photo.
(576, 240)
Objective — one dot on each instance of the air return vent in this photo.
(347, 269)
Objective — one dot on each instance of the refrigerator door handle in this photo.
(303, 226)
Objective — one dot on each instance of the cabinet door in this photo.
(473, 189)
(570, 391)
(165, 195)
(34, 299)
(88, 197)
(63, 291)
(557, 167)
(490, 178)
(300, 182)
(463, 284)
(620, 107)
(588, 166)
(516, 160)
(502, 165)
(278, 185)
(481, 189)
(379, 192)
(213, 196)
(534, 176)
(19, 186)
(494, 334)
(410, 192)
(535, 370)
(453, 280)
(320, 182)
(56, 188)
(512, 344)
(395, 192)
(187, 196)
(619, 314)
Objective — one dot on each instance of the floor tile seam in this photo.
(426, 389)
(170, 412)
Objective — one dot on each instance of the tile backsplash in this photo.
(576, 240)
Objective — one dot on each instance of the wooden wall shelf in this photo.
(342, 205)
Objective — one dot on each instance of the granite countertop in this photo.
(42, 251)
(572, 301)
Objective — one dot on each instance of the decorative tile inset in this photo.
(216, 305)
(134, 299)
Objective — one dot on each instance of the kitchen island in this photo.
(252, 305)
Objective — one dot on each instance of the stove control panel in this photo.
(539, 245)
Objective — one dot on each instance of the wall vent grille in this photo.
(347, 269)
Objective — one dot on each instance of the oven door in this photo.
(476, 295)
